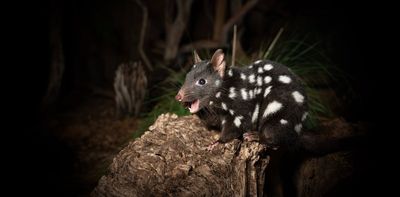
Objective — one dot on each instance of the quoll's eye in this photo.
(201, 82)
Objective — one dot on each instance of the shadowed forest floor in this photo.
(91, 137)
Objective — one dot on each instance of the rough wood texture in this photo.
(170, 160)
(130, 88)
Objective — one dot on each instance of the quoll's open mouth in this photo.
(193, 106)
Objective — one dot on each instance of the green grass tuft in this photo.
(164, 103)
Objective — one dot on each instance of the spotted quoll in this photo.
(264, 98)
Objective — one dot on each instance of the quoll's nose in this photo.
(179, 96)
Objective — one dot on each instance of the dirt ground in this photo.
(93, 136)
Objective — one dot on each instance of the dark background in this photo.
(40, 164)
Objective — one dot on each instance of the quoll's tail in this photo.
(332, 136)
(318, 144)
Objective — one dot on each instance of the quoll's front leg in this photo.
(210, 120)
(255, 136)
(231, 129)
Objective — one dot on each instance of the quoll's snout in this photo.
(179, 96)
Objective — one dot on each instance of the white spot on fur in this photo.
(259, 80)
(255, 113)
(251, 94)
(237, 121)
(284, 79)
(303, 118)
(243, 93)
(260, 70)
(242, 76)
(258, 61)
(268, 67)
(218, 95)
(211, 102)
(283, 121)
(232, 93)
(224, 106)
(267, 91)
(272, 107)
(251, 66)
(267, 79)
(252, 78)
(231, 112)
(217, 82)
(223, 121)
(230, 73)
(255, 92)
(298, 97)
(297, 128)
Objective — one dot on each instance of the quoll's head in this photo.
(202, 81)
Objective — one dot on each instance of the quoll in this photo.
(265, 99)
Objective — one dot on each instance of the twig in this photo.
(273, 43)
(234, 45)
(142, 34)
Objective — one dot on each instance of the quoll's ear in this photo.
(218, 62)
(196, 57)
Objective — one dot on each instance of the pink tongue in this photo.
(194, 107)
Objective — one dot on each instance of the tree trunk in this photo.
(219, 18)
(171, 160)
(56, 68)
(176, 29)
(130, 85)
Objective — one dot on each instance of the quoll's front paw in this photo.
(251, 136)
(212, 146)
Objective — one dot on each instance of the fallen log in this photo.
(171, 160)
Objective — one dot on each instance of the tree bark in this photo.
(130, 84)
(142, 35)
(220, 8)
(170, 160)
(175, 29)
